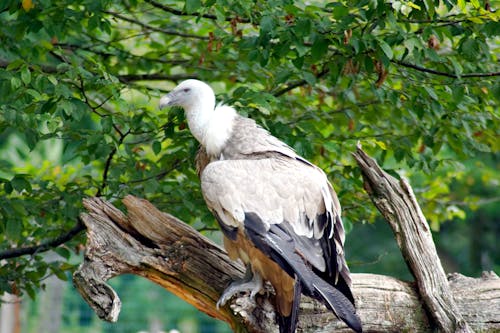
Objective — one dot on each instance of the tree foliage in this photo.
(416, 82)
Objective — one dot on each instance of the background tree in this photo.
(417, 82)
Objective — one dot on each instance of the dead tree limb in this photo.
(170, 253)
(397, 203)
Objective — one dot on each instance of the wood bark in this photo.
(397, 203)
(165, 250)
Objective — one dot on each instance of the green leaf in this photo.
(266, 24)
(13, 229)
(298, 62)
(386, 49)
(32, 137)
(63, 252)
(192, 6)
(309, 77)
(59, 273)
(470, 49)
(302, 27)
(20, 183)
(456, 66)
(30, 291)
(319, 49)
(35, 94)
(15, 64)
(26, 75)
(475, 4)
(156, 147)
(15, 83)
(7, 186)
(431, 9)
(431, 93)
(462, 6)
(52, 79)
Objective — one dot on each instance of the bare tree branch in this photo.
(397, 203)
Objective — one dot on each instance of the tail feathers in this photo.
(338, 303)
(288, 324)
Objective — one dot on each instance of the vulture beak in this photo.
(166, 101)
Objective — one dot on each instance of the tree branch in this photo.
(397, 203)
(44, 246)
(165, 250)
(435, 72)
(107, 165)
(151, 28)
(298, 83)
(127, 78)
(129, 55)
(181, 13)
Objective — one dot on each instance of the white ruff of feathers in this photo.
(211, 126)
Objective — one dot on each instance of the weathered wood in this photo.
(165, 250)
(397, 203)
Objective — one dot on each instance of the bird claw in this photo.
(251, 282)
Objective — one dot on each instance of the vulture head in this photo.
(191, 95)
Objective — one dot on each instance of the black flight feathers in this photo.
(279, 245)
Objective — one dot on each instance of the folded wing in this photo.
(290, 212)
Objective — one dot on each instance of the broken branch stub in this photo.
(397, 203)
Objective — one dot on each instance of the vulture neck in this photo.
(211, 126)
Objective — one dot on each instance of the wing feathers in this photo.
(290, 212)
(338, 303)
(277, 189)
(233, 187)
(279, 245)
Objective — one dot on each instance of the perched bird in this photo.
(277, 211)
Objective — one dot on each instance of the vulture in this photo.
(278, 213)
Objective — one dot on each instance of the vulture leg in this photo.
(250, 282)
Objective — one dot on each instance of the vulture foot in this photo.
(250, 282)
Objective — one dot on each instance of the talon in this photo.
(251, 282)
(259, 283)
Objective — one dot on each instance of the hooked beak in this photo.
(165, 101)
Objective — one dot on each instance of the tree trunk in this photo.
(167, 251)
(9, 313)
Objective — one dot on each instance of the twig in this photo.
(107, 165)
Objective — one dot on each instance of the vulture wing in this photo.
(288, 210)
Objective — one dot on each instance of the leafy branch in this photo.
(120, 52)
(298, 83)
(181, 13)
(450, 75)
(151, 28)
(126, 78)
(44, 246)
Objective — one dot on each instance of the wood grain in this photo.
(163, 249)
